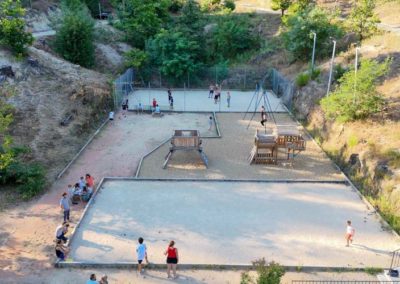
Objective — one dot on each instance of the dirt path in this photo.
(27, 232)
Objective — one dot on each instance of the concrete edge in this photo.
(81, 150)
(348, 181)
(72, 236)
(165, 141)
(106, 179)
(198, 111)
(147, 154)
(187, 266)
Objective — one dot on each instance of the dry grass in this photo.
(388, 12)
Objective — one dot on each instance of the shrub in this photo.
(12, 27)
(176, 5)
(297, 38)
(230, 4)
(352, 101)
(175, 54)
(353, 141)
(302, 79)
(362, 19)
(232, 36)
(74, 38)
(135, 58)
(142, 20)
(267, 273)
(315, 73)
(338, 71)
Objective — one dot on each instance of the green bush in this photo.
(29, 178)
(338, 72)
(75, 35)
(12, 27)
(232, 36)
(267, 273)
(362, 19)
(230, 4)
(175, 54)
(141, 20)
(356, 99)
(302, 79)
(176, 5)
(297, 38)
(315, 73)
(135, 58)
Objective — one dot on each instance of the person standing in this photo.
(263, 115)
(210, 123)
(141, 251)
(171, 103)
(154, 104)
(228, 99)
(172, 259)
(89, 180)
(64, 204)
(349, 233)
(211, 91)
(169, 96)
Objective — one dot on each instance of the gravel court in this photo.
(232, 223)
(197, 100)
(228, 156)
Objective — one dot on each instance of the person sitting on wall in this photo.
(157, 109)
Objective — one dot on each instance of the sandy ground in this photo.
(27, 232)
(232, 223)
(228, 156)
(197, 100)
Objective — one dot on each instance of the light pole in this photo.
(313, 51)
(355, 75)
(331, 70)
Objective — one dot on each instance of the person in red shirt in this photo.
(154, 104)
(172, 259)
(89, 180)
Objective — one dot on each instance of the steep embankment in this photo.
(369, 150)
(48, 90)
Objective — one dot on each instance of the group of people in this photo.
(215, 92)
(93, 279)
(171, 253)
(81, 192)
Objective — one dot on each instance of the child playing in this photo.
(210, 123)
(349, 233)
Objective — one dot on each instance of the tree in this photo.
(75, 35)
(135, 58)
(12, 27)
(299, 26)
(231, 37)
(175, 54)
(282, 5)
(357, 96)
(362, 19)
(141, 20)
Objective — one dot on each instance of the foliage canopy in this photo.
(12, 27)
(362, 19)
(357, 97)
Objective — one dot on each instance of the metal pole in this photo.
(313, 52)
(149, 94)
(184, 96)
(99, 10)
(355, 75)
(330, 72)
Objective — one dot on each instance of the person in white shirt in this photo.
(349, 233)
(141, 251)
(61, 231)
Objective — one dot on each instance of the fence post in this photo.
(149, 94)
(184, 96)
(245, 78)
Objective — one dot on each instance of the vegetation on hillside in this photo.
(12, 27)
(74, 37)
(28, 177)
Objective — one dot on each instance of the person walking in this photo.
(228, 99)
(64, 204)
(172, 259)
(349, 233)
(141, 251)
(263, 115)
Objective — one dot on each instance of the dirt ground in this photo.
(27, 232)
(228, 156)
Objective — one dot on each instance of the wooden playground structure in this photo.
(266, 146)
(186, 140)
